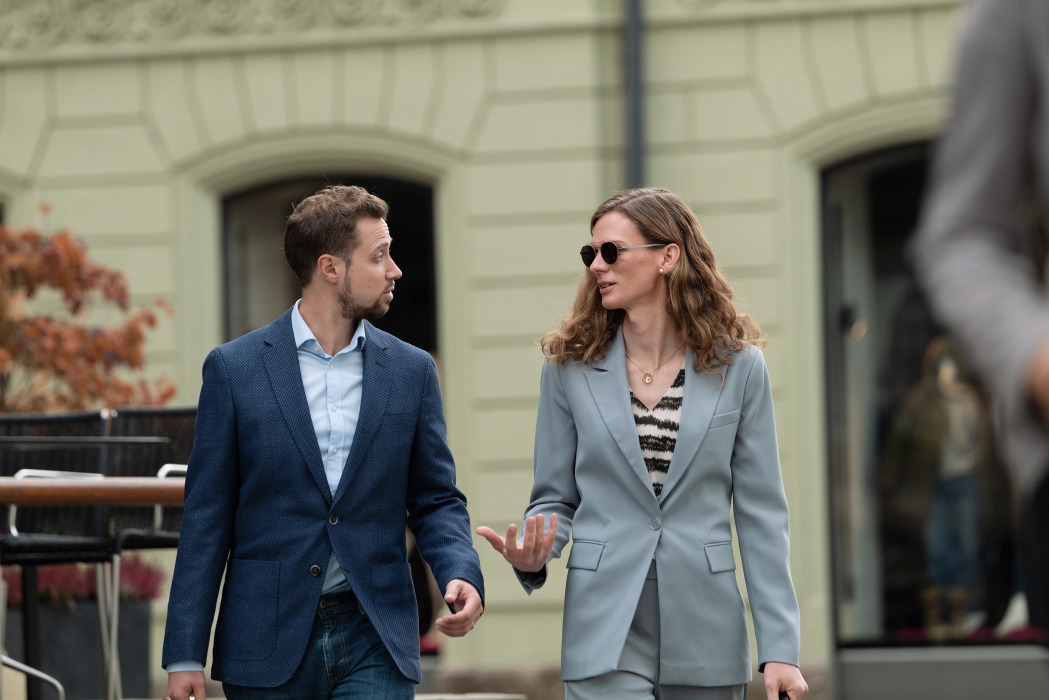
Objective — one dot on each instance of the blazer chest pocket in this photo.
(585, 554)
(719, 556)
(724, 419)
(399, 417)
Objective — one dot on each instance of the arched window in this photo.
(259, 286)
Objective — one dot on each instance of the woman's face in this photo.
(634, 280)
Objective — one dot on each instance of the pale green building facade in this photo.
(135, 120)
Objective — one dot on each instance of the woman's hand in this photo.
(786, 678)
(533, 551)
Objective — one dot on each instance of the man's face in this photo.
(371, 273)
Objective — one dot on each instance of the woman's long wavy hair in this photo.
(699, 296)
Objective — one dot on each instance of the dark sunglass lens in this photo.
(609, 252)
(588, 254)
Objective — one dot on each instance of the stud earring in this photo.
(660, 270)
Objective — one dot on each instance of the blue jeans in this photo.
(345, 658)
(952, 535)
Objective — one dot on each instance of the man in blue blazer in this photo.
(319, 439)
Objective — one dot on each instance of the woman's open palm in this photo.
(531, 553)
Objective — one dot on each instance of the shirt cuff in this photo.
(184, 666)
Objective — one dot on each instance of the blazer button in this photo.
(333, 518)
(315, 571)
(654, 524)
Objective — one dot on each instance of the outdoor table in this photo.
(106, 491)
(97, 491)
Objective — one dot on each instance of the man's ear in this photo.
(328, 268)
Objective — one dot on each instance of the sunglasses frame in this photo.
(588, 249)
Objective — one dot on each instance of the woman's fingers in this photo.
(497, 542)
(535, 546)
(510, 544)
(551, 537)
(538, 536)
(529, 534)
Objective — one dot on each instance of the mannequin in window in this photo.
(938, 463)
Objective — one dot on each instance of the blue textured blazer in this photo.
(259, 509)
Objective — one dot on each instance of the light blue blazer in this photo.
(590, 472)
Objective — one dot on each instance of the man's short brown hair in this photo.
(325, 223)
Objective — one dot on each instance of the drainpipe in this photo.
(633, 98)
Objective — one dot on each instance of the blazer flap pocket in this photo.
(719, 556)
(253, 579)
(585, 554)
(724, 419)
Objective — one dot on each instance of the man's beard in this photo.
(352, 311)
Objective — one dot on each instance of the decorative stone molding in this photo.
(680, 13)
(780, 6)
(35, 25)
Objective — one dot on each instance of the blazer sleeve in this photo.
(554, 488)
(437, 514)
(212, 484)
(763, 522)
(976, 217)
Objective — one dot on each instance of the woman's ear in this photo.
(671, 255)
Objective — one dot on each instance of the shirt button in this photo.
(655, 524)
(335, 450)
(331, 366)
(315, 571)
(334, 409)
(333, 519)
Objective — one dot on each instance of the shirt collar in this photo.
(304, 336)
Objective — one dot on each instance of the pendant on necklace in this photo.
(646, 378)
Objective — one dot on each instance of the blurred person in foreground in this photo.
(319, 438)
(980, 249)
(655, 416)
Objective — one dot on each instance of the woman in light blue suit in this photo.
(655, 416)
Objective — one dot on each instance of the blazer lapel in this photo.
(702, 390)
(282, 365)
(375, 395)
(608, 385)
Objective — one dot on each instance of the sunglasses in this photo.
(610, 251)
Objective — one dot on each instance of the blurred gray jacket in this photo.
(976, 251)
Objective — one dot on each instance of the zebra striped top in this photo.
(657, 429)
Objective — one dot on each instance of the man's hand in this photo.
(183, 684)
(534, 550)
(780, 677)
(466, 602)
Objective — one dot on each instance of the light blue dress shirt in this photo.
(333, 391)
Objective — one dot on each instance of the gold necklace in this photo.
(646, 377)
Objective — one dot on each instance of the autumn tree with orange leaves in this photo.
(54, 362)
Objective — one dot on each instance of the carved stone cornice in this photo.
(666, 13)
(32, 26)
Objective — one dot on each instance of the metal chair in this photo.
(126, 442)
(138, 527)
(35, 445)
